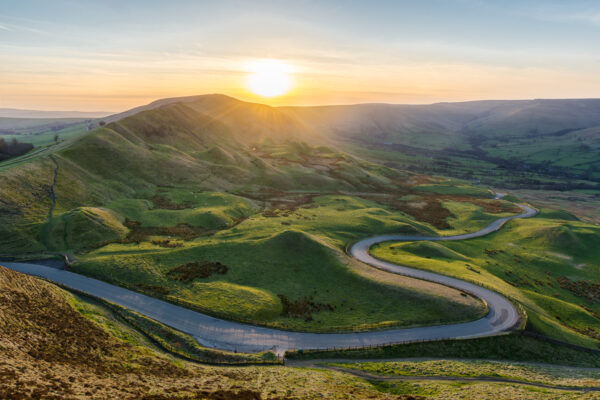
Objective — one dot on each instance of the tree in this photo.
(102, 123)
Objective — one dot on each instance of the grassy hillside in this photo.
(57, 346)
(541, 144)
(548, 263)
(192, 203)
(158, 201)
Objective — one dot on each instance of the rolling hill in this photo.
(549, 144)
(209, 181)
(213, 198)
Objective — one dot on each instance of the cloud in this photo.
(4, 28)
(592, 18)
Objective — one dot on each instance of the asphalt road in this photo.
(229, 335)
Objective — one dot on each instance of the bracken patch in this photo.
(302, 308)
(197, 269)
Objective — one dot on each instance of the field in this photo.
(511, 348)
(171, 203)
(223, 216)
(55, 344)
(474, 379)
(50, 350)
(547, 263)
(285, 267)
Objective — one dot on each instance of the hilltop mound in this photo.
(83, 227)
(295, 242)
(570, 237)
(559, 236)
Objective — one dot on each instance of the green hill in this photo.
(541, 144)
(171, 190)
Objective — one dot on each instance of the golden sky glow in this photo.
(112, 55)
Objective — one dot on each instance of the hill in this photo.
(57, 345)
(186, 186)
(512, 144)
(207, 198)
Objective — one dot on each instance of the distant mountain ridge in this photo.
(20, 113)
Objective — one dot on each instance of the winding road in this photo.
(229, 335)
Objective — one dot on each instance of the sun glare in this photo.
(269, 78)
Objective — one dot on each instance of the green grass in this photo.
(525, 260)
(516, 347)
(455, 188)
(83, 227)
(209, 210)
(266, 259)
(544, 374)
(183, 345)
(438, 389)
(45, 137)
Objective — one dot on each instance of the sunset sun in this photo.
(269, 78)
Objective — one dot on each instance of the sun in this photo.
(269, 78)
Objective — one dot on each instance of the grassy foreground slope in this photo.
(55, 345)
(50, 350)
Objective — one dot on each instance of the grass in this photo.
(168, 187)
(438, 389)
(264, 262)
(185, 346)
(526, 260)
(455, 188)
(56, 345)
(545, 374)
(513, 348)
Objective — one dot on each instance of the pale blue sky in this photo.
(115, 54)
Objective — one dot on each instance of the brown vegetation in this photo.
(138, 233)
(51, 351)
(153, 290)
(166, 204)
(588, 290)
(197, 269)
(167, 243)
(302, 308)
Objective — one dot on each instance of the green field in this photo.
(475, 373)
(511, 348)
(292, 254)
(231, 219)
(547, 263)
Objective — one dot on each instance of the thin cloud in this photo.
(590, 18)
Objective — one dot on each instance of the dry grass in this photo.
(51, 351)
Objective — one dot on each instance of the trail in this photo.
(45, 235)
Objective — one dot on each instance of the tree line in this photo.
(13, 148)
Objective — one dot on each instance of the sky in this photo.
(113, 55)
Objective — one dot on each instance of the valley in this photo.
(249, 215)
